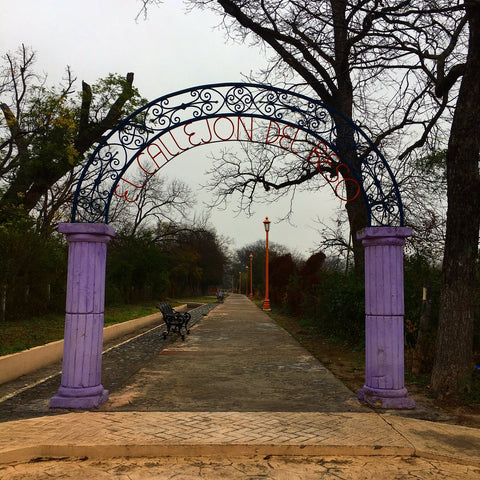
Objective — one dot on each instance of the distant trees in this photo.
(316, 290)
(211, 258)
(146, 266)
(241, 260)
(32, 272)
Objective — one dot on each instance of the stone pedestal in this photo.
(384, 310)
(82, 351)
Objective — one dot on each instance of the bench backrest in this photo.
(165, 308)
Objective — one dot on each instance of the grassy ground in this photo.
(20, 335)
(24, 334)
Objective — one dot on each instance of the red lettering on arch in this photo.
(176, 143)
(231, 126)
(126, 191)
(249, 133)
(190, 135)
(209, 132)
(348, 179)
(291, 139)
(277, 134)
(142, 167)
(152, 146)
(318, 153)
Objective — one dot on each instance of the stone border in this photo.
(21, 363)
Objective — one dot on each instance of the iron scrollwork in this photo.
(162, 117)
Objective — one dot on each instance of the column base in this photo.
(85, 398)
(386, 399)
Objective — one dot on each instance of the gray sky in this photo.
(170, 51)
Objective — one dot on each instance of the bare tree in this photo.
(347, 54)
(445, 39)
(158, 202)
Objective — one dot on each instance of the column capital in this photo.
(87, 232)
(373, 236)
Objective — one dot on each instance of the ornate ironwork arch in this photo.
(123, 145)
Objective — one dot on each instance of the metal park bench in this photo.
(175, 322)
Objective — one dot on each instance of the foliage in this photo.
(45, 132)
(32, 271)
(323, 296)
(147, 266)
(420, 274)
(338, 307)
(185, 271)
(281, 269)
(137, 270)
(257, 249)
(201, 255)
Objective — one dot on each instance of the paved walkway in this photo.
(238, 399)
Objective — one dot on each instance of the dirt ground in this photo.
(348, 365)
(242, 468)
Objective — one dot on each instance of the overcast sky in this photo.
(169, 51)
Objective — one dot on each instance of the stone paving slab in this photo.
(103, 435)
(437, 440)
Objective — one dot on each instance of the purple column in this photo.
(82, 350)
(384, 310)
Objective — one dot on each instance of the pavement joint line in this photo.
(390, 424)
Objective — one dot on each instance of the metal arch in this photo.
(114, 155)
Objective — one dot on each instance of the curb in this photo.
(27, 361)
(104, 452)
(94, 451)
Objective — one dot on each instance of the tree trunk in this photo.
(422, 355)
(453, 359)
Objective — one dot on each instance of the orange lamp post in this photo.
(246, 280)
(251, 276)
(240, 283)
(266, 302)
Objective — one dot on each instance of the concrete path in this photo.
(236, 359)
(238, 399)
